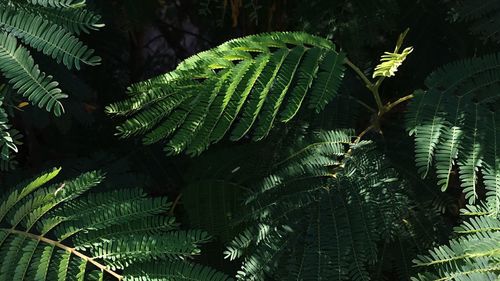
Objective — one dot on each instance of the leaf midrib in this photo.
(65, 248)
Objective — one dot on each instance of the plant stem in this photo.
(370, 85)
(376, 94)
(374, 89)
(177, 199)
(358, 138)
(66, 248)
(360, 73)
(378, 100)
(363, 104)
(390, 105)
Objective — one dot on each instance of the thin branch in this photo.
(378, 100)
(372, 87)
(390, 105)
(376, 94)
(358, 138)
(67, 249)
(176, 202)
(360, 73)
(305, 149)
(363, 104)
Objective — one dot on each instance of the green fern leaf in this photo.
(320, 214)
(18, 66)
(58, 3)
(75, 20)
(454, 123)
(46, 26)
(474, 255)
(66, 231)
(246, 85)
(48, 38)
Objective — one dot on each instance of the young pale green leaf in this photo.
(390, 63)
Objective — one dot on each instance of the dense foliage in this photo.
(296, 140)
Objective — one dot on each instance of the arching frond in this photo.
(67, 230)
(455, 122)
(48, 38)
(473, 255)
(73, 20)
(18, 66)
(247, 84)
(321, 214)
(47, 26)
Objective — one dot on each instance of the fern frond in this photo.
(66, 231)
(321, 214)
(454, 123)
(483, 17)
(246, 84)
(48, 38)
(474, 255)
(18, 67)
(58, 3)
(46, 26)
(74, 20)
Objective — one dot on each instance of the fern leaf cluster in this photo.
(455, 122)
(68, 231)
(246, 84)
(48, 27)
(482, 17)
(321, 214)
(473, 255)
(9, 138)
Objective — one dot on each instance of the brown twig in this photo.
(176, 202)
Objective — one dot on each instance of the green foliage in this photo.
(67, 230)
(473, 255)
(9, 139)
(248, 84)
(323, 213)
(19, 67)
(483, 18)
(213, 191)
(389, 62)
(329, 192)
(48, 29)
(455, 123)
